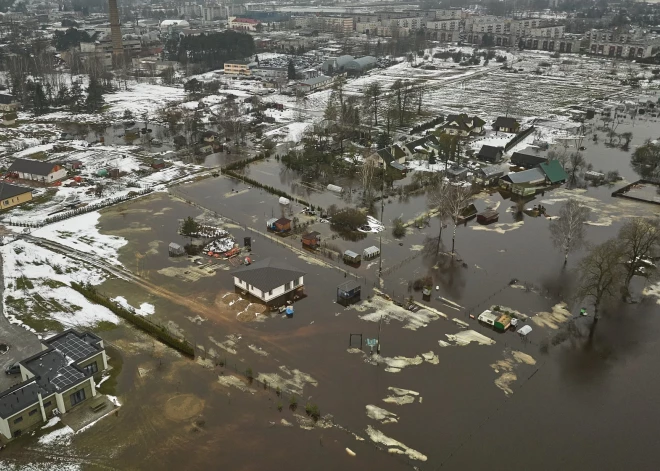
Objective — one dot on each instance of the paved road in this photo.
(22, 343)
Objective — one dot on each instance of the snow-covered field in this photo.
(37, 293)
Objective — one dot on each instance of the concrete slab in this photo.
(83, 416)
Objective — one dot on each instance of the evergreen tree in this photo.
(63, 97)
(94, 100)
(291, 73)
(38, 98)
(75, 97)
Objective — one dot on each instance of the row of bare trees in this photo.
(607, 269)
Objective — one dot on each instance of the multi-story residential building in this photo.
(629, 43)
(410, 22)
(189, 9)
(336, 24)
(238, 67)
(548, 31)
(450, 13)
(213, 12)
(59, 378)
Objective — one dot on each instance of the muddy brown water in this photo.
(566, 410)
(573, 393)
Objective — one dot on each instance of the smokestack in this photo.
(115, 30)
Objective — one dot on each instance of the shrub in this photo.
(399, 229)
(293, 403)
(140, 322)
(279, 406)
(312, 410)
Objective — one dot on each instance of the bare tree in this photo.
(576, 163)
(458, 197)
(437, 200)
(567, 232)
(367, 175)
(640, 241)
(600, 276)
(373, 93)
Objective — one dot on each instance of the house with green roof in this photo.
(554, 172)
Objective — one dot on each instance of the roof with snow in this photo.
(268, 274)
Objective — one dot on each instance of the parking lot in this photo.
(21, 342)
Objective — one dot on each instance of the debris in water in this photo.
(350, 452)
(394, 446)
(465, 337)
(558, 315)
(383, 416)
(401, 396)
(507, 365)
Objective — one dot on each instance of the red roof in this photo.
(246, 20)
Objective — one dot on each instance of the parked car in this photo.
(13, 369)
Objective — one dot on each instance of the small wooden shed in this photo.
(488, 216)
(175, 250)
(311, 239)
(283, 225)
(352, 257)
(370, 252)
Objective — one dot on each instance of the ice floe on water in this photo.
(292, 381)
(394, 446)
(468, 336)
(235, 382)
(500, 228)
(387, 310)
(401, 396)
(506, 367)
(557, 315)
(229, 345)
(383, 416)
(258, 350)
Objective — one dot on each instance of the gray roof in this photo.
(494, 170)
(6, 99)
(9, 191)
(522, 159)
(18, 397)
(343, 60)
(74, 345)
(526, 176)
(370, 251)
(430, 139)
(315, 80)
(350, 253)
(361, 63)
(505, 122)
(268, 274)
(489, 151)
(33, 167)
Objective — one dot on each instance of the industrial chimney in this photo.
(115, 32)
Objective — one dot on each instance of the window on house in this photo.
(17, 420)
(289, 285)
(77, 397)
(91, 368)
(47, 404)
(32, 412)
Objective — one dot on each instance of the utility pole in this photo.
(380, 234)
(380, 321)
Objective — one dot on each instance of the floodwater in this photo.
(116, 134)
(571, 392)
(553, 400)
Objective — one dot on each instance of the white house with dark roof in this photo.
(59, 377)
(35, 170)
(269, 279)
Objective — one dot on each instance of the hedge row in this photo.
(83, 210)
(427, 125)
(140, 322)
(269, 189)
